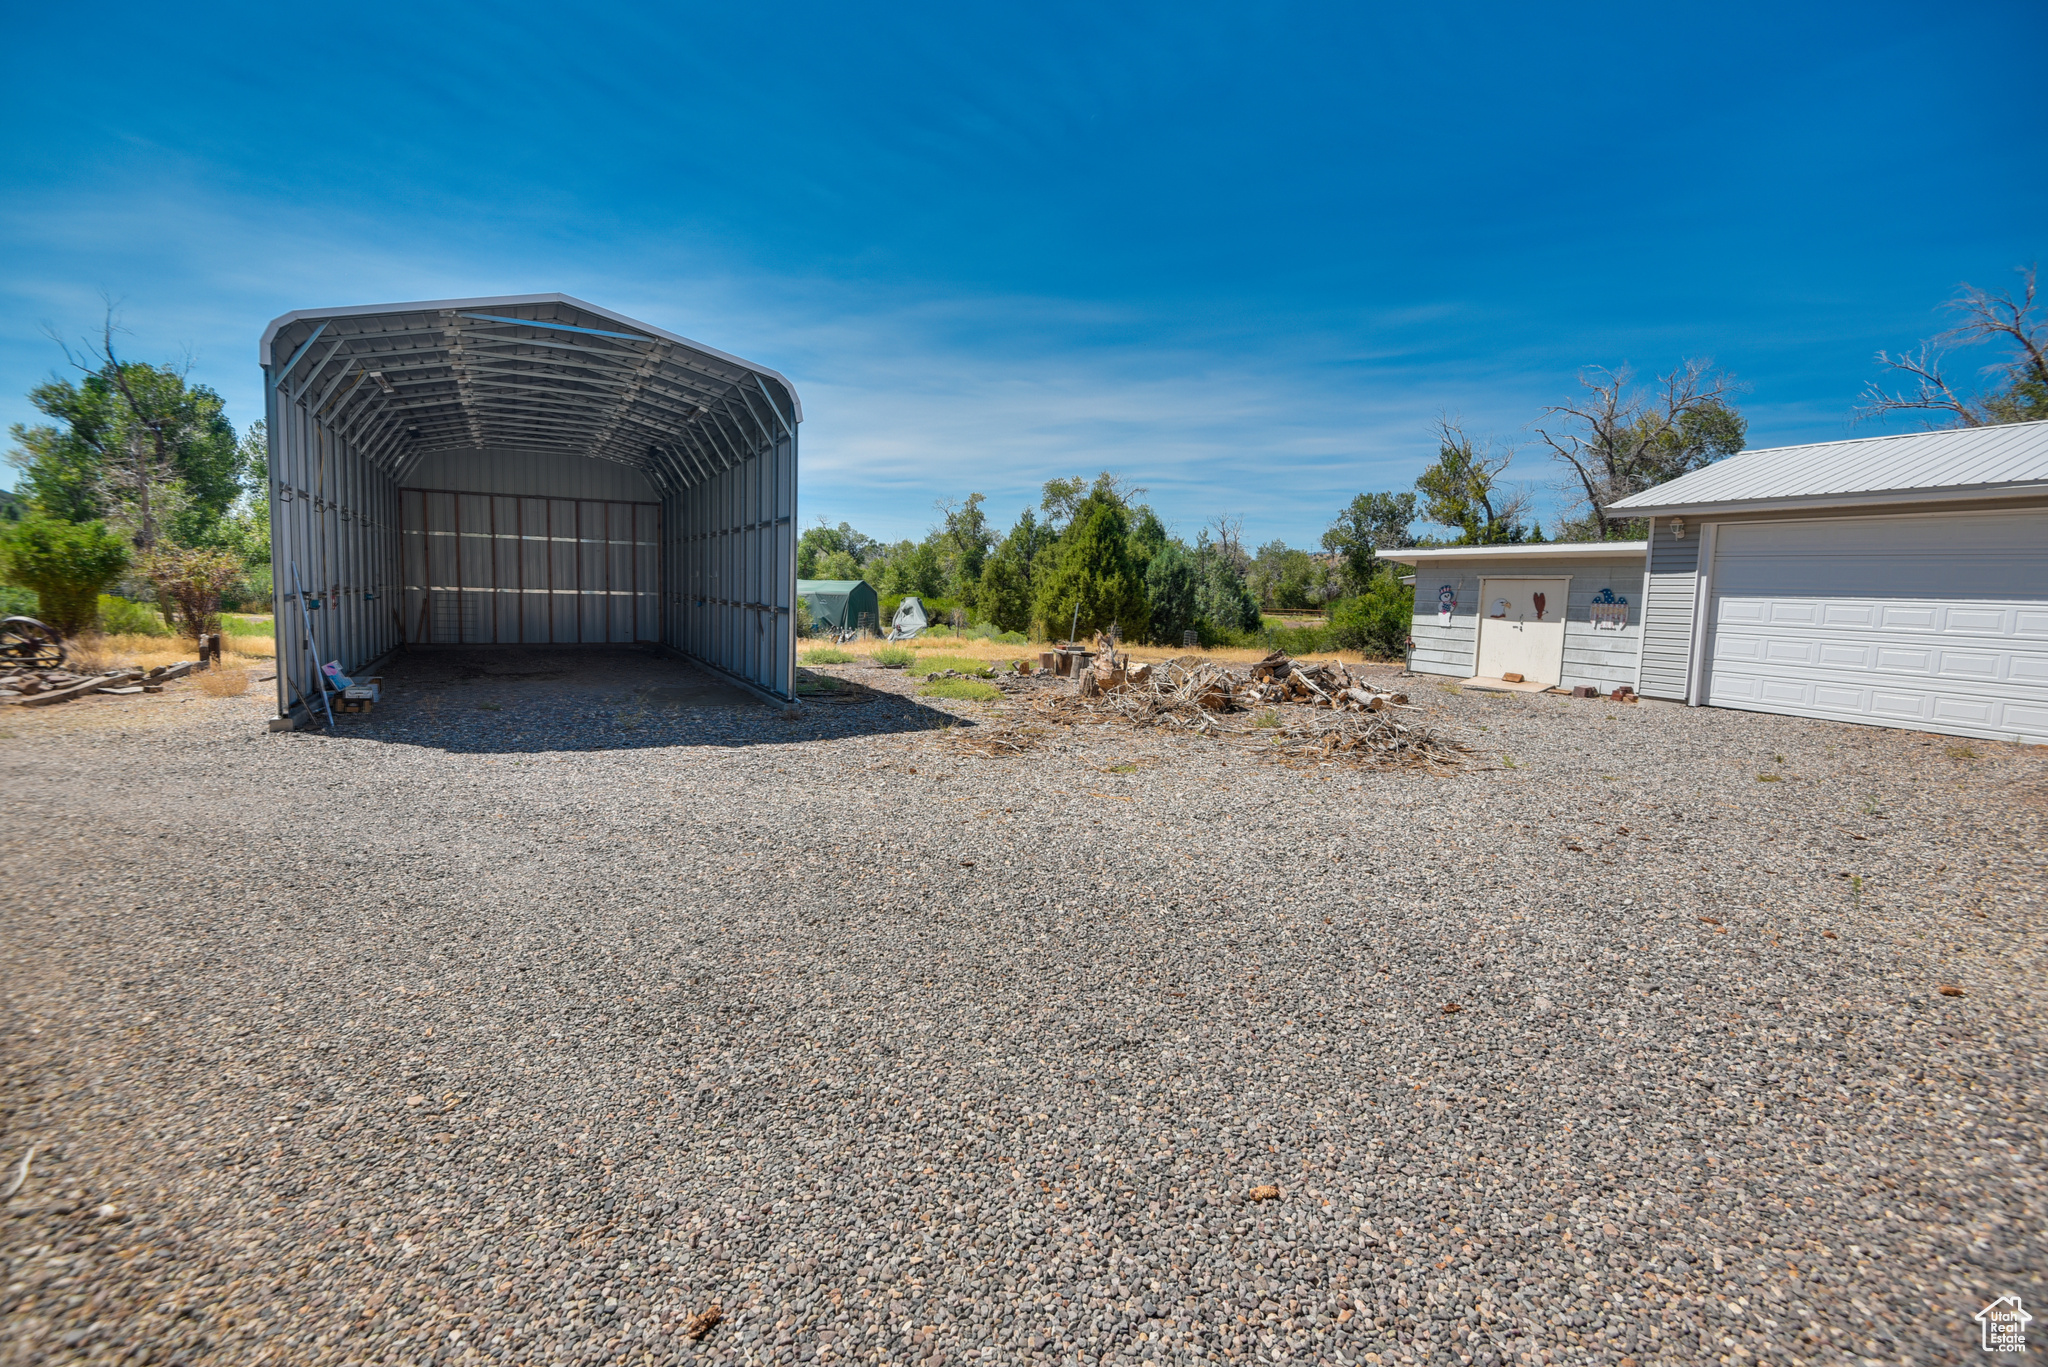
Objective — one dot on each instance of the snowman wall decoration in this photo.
(1446, 603)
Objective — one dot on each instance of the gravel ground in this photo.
(532, 1016)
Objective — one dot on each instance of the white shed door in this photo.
(1521, 629)
(1937, 622)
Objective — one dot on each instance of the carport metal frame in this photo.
(356, 397)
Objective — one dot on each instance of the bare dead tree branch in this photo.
(1620, 440)
(1982, 317)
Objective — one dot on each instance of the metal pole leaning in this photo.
(313, 648)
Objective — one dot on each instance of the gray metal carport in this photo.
(529, 469)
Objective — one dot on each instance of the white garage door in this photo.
(1938, 622)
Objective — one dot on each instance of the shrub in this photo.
(194, 582)
(964, 690)
(225, 681)
(126, 617)
(16, 602)
(827, 655)
(805, 623)
(1376, 621)
(67, 564)
(895, 657)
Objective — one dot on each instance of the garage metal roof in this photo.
(1913, 467)
(526, 372)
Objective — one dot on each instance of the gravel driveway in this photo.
(523, 1024)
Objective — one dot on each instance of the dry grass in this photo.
(226, 681)
(996, 652)
(97, 652)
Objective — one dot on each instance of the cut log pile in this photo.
(45, 687)
(1278, 679)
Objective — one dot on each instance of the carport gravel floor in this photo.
(525, 1036)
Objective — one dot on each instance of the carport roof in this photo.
(1911, 467)
(526, 372)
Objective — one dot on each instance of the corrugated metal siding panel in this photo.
(1668, 612)
(1965, 458)
(735, 545)
(489, 569)
(333, 512)
(1604, 659)
(533, 473)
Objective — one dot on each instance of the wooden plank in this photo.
(57, 695)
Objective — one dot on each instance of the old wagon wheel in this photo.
(26, 643)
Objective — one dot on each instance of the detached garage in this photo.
(525, 470)
(1895, 581)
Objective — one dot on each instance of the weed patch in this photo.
(895, 657)
(960, 662)
(827, 655)
(962, 690)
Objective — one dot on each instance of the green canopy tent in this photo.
(837, 605)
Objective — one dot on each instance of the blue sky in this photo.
(1242, 255)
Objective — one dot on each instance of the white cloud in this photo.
(910, 394)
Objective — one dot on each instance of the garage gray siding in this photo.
(1668, 610)
(1603, 659)
(1442, 649)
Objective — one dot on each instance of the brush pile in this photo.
(1333, 714)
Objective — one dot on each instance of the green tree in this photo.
(1004, 594)
(1288, 580)
(1148, 536)
(139, 446)
(1463, 491)
(962, 544)
(67, 564)
(1173, 593)
(1009, 579)
(1062, 498)
(822, 540)
(1223, 599)
(1093, 573)
(1620, 441)
(835, 565)
(1369, 524)
(2020, 391)
(245, 531)
(915, 568)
